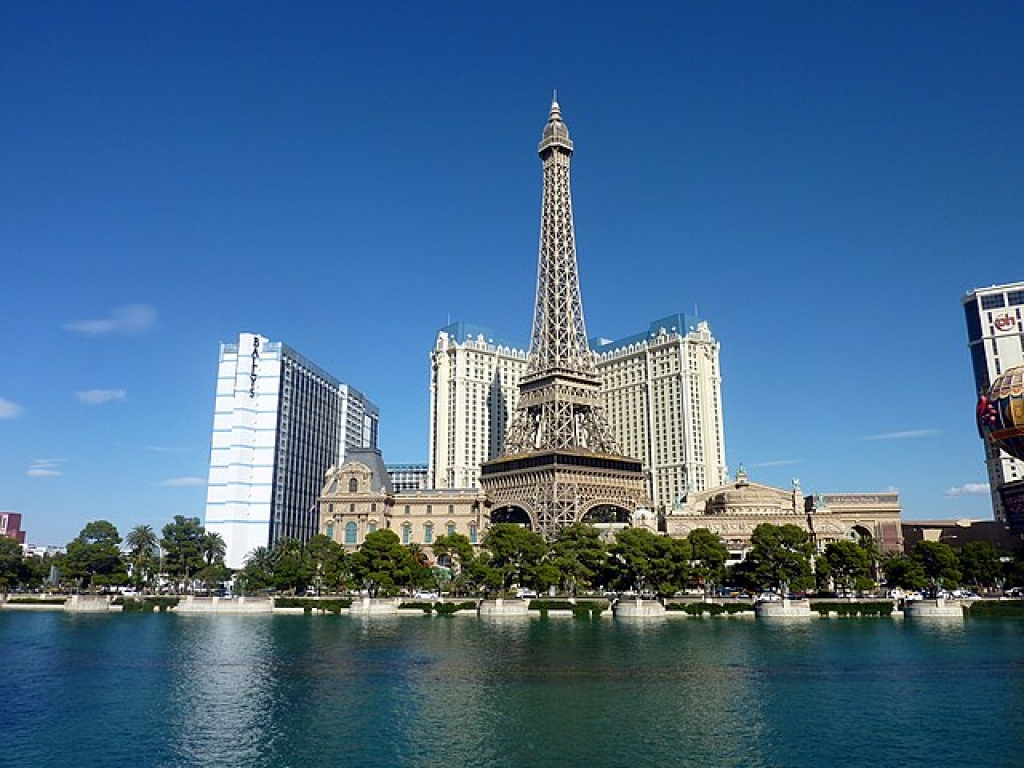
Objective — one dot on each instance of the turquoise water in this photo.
(167, 690)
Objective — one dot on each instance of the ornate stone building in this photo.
(358, 499)
(735, 509)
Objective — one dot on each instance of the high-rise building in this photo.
(279, 424)
(559, 463)
(408, 477)
(661, 391)
(995, 336)
(663, 400)
(10, 526)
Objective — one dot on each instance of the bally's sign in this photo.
(1005, 322)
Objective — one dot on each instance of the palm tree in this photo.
(142, 544)
(214, 547)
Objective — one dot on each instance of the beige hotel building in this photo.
(661, 391)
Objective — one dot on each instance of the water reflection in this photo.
(221, 695)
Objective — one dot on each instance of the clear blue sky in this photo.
(823, 181)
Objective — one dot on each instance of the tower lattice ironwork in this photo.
(559, 461)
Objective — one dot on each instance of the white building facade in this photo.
(279, 423)
(661, 394)
(995, 336)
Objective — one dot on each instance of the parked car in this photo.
(424, 594)
(526, 594)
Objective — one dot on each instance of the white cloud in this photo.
(45, 468)
(909, 434)
(778, 463)
(180, 482)
(968, 489)
(166, 449)
(9, 410)
(100, 396)
(130, 320)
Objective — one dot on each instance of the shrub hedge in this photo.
(148, 604)
(309, 604)
(881, 608)
(580, 608)
(712, 609)
(996, 608)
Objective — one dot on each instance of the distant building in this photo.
(995, 336)
(10, 526)
(279, 423)
(734, 509)
(661, 391)
(956, 533)
(408, 477)
(358, 498)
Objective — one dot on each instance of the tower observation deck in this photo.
(559, 464)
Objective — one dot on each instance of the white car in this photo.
(526, 594)
(425, 595)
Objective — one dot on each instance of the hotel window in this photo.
(428, 533)
(351, 509)
(350, 533)
(406, 533)
(993, 302)
(330, 531)
(373, 527)
(407, 509)
(472, 533)
(450, 529)
(353, 485)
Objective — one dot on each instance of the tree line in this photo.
(184, 555)
(782, 558)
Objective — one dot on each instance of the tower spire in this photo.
(559, 462)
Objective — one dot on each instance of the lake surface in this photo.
(168, 690)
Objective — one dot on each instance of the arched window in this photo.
(373, 526)
(353, 485)
(428, 533)
(330, 531)
(406, 533)
(350, 533)
(450, 529)
(472, 533)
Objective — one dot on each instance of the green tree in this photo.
(939, 562)
(579, 556)
(214, 547)
(258, 572)
(12, 563)
(142, 551)
(904, 572)
(641, 559)
(293, 571)
(182, 545)
(514, 553)
(93, 557)
(849, 565)
(382, 564)
(329, 563)
(779, 559)
(981, 564)
(707, 559)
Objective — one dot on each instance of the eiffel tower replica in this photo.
(559, 464)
